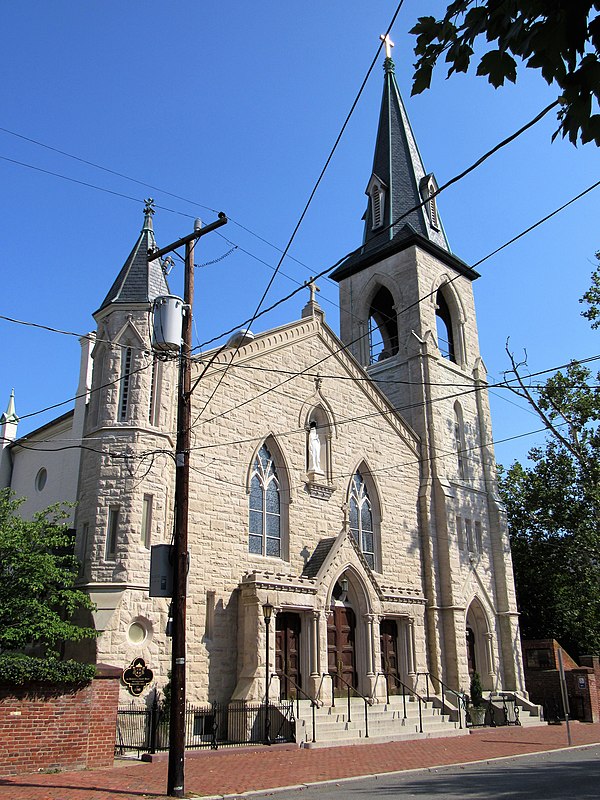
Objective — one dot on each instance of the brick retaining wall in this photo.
(43, 727)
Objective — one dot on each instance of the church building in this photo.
(349, 482)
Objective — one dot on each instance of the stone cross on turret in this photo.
(312, 308)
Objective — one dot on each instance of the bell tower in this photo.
(125, 492)
(408, 316)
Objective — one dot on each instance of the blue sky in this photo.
(235, 106)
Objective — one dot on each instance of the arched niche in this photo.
(319, 434)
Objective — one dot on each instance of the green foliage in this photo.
(20, 669)
(37, 577)
(561, 39)
(553, 510)
(476, 692)
(592, 298)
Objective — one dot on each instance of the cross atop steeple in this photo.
(385, 38)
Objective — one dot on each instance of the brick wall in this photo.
(543, 684)
(43, 727)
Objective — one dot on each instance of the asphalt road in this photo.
(554, 775)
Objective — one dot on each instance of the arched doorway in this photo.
(341, 640)
(478, 642)
(471, 657)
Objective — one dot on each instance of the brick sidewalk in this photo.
(234, 772)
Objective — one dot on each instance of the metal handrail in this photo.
(313, 701)
(405, 689)
(460, 696)
(367, 701)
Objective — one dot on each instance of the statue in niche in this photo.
(314, 450)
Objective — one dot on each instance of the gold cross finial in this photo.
(385, 38)
(313, 288)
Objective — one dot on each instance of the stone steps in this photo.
(386, 722)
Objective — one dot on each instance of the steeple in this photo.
(399, 181)
(10, 415)
(139, 281)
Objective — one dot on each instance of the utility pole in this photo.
(176, 780)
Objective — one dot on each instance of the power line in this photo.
(247, 252)
(310, 198)
(402, 311)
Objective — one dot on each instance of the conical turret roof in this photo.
(140, 280)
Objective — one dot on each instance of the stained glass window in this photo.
(361, 519)
(265, 507)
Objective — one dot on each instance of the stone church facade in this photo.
(350, 482)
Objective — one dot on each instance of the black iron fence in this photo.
(146, 728)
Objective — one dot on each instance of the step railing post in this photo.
(349, 712)
(314, 723)
(366, 721)
(420, 716)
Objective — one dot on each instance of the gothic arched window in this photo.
(125, 383)
(361, 518)
(445, 334)
(265, 506)
(383, 327)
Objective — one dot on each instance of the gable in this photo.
(307, 351)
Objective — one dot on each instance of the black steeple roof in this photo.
(398, 169)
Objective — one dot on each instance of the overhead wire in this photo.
(312, 193)
(321, 274)
(345, 346)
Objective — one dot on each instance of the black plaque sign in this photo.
(137, 676)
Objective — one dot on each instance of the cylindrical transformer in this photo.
(167, 322)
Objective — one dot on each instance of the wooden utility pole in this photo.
(176, 776)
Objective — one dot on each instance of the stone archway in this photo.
(478, 643)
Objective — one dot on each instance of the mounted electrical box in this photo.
(161, 570)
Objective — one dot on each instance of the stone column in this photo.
(411, 661)
(489, 654)
(369, 655)
(314, 653)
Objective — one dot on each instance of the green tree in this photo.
(553, 509)
(38, 570)
(560, 38)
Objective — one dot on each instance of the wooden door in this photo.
(287, 653)
(388, 634)
(341, 656)
(471, 651)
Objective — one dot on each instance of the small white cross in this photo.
(385, 38)
(313, 288)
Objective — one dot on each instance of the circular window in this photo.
(137, 633)
(41, 478)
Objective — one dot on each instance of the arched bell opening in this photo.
(383, 327)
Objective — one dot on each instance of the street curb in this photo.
(311, 784)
